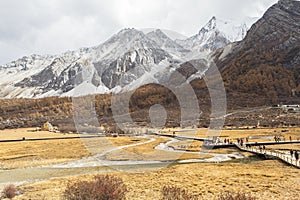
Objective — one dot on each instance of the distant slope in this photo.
(266, 64)
(126, 61)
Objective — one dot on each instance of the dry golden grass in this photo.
(148, 152)
(36, 153)
(147, 148)
(158, 156)
(98, 145)
(17, 134)
(264, 179)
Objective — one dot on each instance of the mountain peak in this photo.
(215, 34)
(159, 31)
(173, 35)
(211, 25)
(161, 34)
(165, 42)
(127, 36)
(213, 20)
(129, 32)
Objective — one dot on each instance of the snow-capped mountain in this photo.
(167, 44)
(131, 54)
(215, 34)
(121, 60)
(29, 68)
(124, 62)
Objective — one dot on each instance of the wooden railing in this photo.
(281, 155)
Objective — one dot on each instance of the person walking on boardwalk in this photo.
(296, 155)
(292, 152)
(290, 138)
(297, 159)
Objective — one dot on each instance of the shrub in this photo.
(101, 188)
(9, 191)
(175, 193)
(236, 196)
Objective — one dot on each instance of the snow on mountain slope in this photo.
(127, 60)
(158, 74)
(127, 55)
(164, 41)
(167, 44)
(215, 34)
(122, 42)
(173, 35)
(131, 57)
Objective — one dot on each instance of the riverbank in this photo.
(264, 179)
(40, 164)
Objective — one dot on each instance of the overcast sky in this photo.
(54, 26)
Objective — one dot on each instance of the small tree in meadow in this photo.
(101, 188)
(9, 191)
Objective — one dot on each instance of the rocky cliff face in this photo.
(266, 63)
(278, 29)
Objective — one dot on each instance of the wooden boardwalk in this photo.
(280, 155)
(226, 145)
(181, 137)
(273, 143)
(249, 147)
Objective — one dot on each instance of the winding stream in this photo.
(94, 163)
(216, 156)
(99, 159)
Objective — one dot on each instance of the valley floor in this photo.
(264, 179)
(42, 169)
